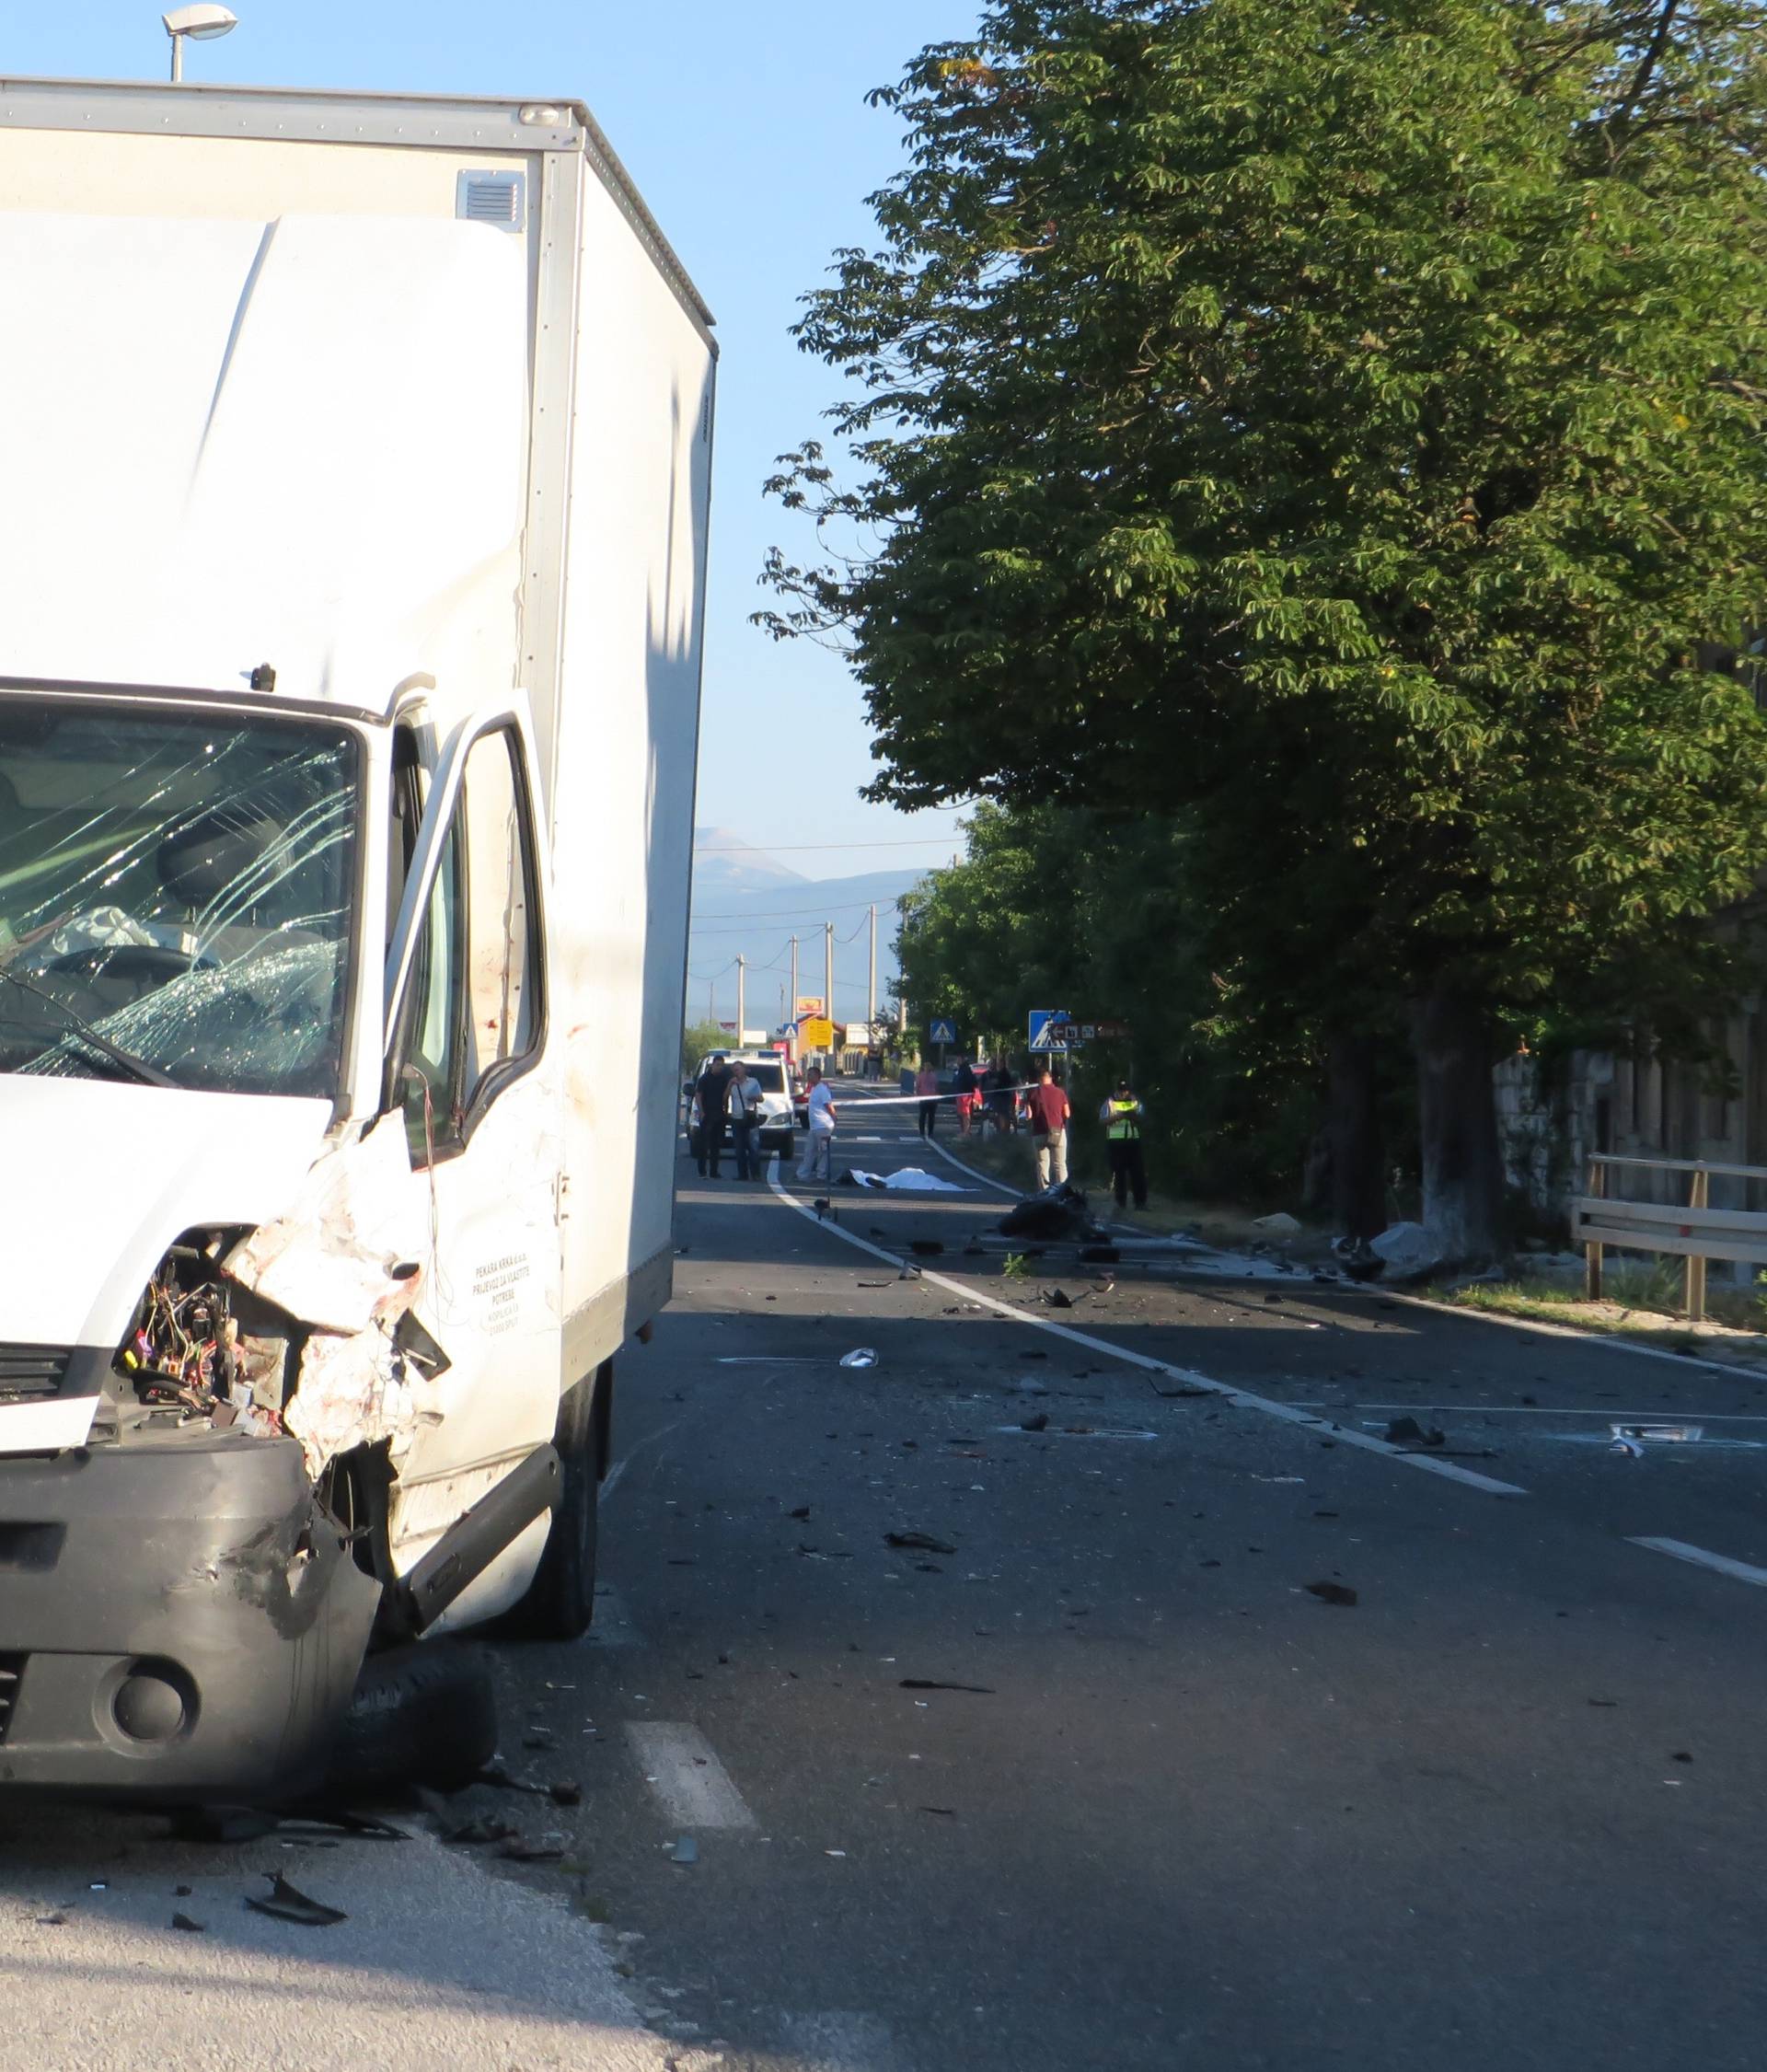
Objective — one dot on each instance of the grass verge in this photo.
(1641, 1303)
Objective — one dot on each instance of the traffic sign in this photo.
(816, 1033)
(1052, 1031)
(943, 1031)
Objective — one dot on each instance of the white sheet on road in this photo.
(911, 1179)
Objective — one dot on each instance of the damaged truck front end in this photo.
(188, 1578)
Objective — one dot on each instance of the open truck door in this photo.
(470, 1064)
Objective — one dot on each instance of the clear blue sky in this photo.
(746, 129)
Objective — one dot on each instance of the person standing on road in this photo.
(743, 1106)
(819, 1139)
(925, 1087)
(1049, 1111)
(1121, 1116)
(999, 1093)
(964, 1084)
(714, 1105)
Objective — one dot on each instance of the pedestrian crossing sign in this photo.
(943, 1031)
(1052, 1031)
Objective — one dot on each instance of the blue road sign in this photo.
(943, 1031)
(1051, 1030)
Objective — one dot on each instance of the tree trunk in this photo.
(1457, 1122)
(1358, 1148)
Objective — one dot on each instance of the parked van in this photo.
(773, 1072)
(352, 574)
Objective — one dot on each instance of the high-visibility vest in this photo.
(1126, 1121)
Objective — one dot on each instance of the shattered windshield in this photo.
(175, 896)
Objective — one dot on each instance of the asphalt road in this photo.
(1093, 1780)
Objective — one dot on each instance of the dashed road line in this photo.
(1241, 1399)
(1680, 1550)
(692, 1786)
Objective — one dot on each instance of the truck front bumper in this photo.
(177, 1622)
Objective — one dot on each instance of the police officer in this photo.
(1121, 1116)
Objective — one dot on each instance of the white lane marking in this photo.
(694, 1787)
(613, 1625)
(610, 1481)
(1241, 1399)
(1744, 1571)
(986, 1179)
(1552, 1411)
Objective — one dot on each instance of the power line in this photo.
(782, 913)
(894, 841)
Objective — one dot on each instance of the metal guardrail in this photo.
(1693, 1230)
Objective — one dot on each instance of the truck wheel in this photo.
(560, 1601)
(425, 1715)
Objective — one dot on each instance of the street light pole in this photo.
(742, 997)
(828, 972)
(202, 22)
(871, 989)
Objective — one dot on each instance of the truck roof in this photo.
(546, 122)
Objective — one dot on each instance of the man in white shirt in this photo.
(742, 1105)
(819, 1140)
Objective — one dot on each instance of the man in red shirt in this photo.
(1049, 1113)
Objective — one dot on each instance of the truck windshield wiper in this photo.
(137, 1067)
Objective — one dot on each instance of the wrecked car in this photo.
(350, 609)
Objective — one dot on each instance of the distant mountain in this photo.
(757, 919)
(725, 862)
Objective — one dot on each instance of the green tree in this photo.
(698, 1040)
(1056, 905)
(1341, 422)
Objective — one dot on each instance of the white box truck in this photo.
(352, 540)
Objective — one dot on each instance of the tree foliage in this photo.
(1341, 424)
(1058, 906)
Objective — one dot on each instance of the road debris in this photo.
(284, 1904)
(686, 1850)
(921, 1541)
(188, 1926)
(932, 1683)
(1408, 1432)
(519, 1850)
(860, 1356)
(1057, 1299)
(1332, 1593)
(1039, 1423)
(486, 1829)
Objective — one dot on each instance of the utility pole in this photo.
(871, 989)
(711, 1000)
(742, 997)
(792, 1016)
(828, 971)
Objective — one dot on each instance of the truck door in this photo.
(471, 1062)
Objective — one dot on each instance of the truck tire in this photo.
(560, 1601)
(426, 1714)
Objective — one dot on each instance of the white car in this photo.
(770, 1068)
